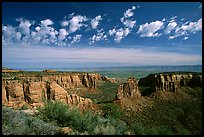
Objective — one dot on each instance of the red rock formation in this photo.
(4, 95)
(73, 81)
(105, 78)
(32, 90)
(90, 80)
(128, 89)
(170, 82)
(17, 94)
(57, 93)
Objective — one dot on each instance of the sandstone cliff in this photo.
(170, 81)
(32, 90)
(18, 93)
(71, 81)
(128, 89)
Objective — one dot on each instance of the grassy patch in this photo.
(107, 92)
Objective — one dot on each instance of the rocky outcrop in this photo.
(73, 81)
(78, 101)
(34, 88)
(128, 89)
(170, 81)
(12, 93)
(19, 93)
(34, 92)
(105, 78)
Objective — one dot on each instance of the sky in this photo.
(100, 34)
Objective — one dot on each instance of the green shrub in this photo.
(120, 126)
(151, 131)
(104, 130)
(54, 111)
(164, 131)
(112, 110)
(78, 133)
(138, 128)
(85, 123)
(19, 123)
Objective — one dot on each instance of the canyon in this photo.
(33, 89)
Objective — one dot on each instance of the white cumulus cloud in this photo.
(99, 36)
(64, 23)
(76, 23)
(24, 27)
(195, 26)
(121, 33)
(129, 23)
(170, 27)
(112, 32)
(129, 13)
(62, 34)
(8, 33)
(186, 28)
(150, 29)
(125, 19)
(46, 22)
(95, 21)
(44, 32)
(76, 39)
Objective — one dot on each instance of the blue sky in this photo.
(91, 34)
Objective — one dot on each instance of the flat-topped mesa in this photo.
(170, 81)
(128, 89)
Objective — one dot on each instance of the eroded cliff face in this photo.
(18, 93)
(75, 80)
(170, 82)
(128, 89)
(32, 91)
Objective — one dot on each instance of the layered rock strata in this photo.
(75, 80)
(170, 82)
(128, 89)
(33, 90)
(16, 94)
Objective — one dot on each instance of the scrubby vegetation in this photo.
(19, 123)
(81, 123)
(172, 113)
(107, 92)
